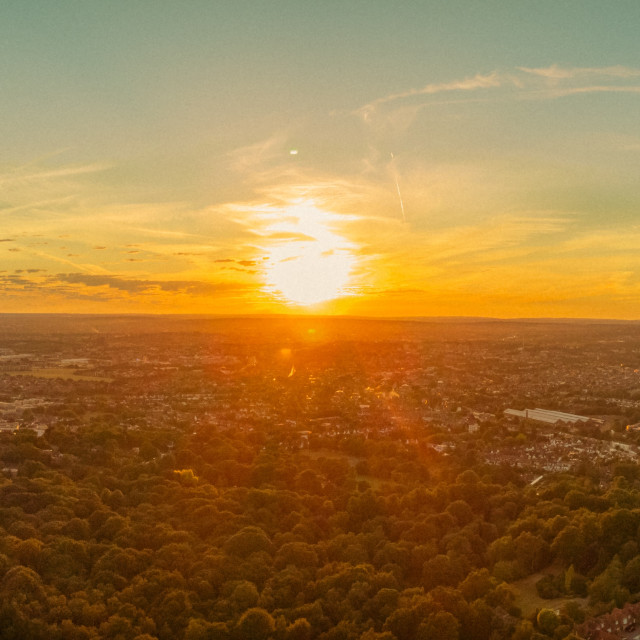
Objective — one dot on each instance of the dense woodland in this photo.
(191, 532)
(227, 536)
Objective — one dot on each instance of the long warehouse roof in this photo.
(547, 415)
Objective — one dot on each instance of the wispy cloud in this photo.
(50, 257)
(251, 157)
(479, 81)
(137, 285)
(600, 241)
(525, 82)
(243, 263)
(568, 91)
(21, 175)
(556, 72)
(33, 279)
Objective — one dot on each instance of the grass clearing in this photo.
(528, 600)
(375, 483)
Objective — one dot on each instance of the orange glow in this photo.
(314, 264)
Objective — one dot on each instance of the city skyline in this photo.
(290, 157)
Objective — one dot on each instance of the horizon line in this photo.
(421, 318)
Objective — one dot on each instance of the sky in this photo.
(364, 157)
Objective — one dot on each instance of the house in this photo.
(620, 624)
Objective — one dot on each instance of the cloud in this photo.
(243, 270)
(390, 291)
(525, 83)
(601, 241)
(248, 158)
(479, 81)
(568, 91)
(286, 235)
(138, 286)
(555, 72)
(7, 239)
(230, 264)
(117, 289)
(15, 279)
(498, 240)
(19, 175)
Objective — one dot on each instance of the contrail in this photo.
(404, 218)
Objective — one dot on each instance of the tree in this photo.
(618, 526)
(605, 586)
(569, 576)
(478, 625)
(370, 634)
(442, 626)
(568, 545)
(461, 511)
(22, 583)
(523, 631)
(300, 554)
(256, 624)
(631, 574)
(574, 611)
(299, 630)
(547, 621)
(403, 623)
(477, 584)
(532, 552)
(245, 595)
(440, 570)
(199, 629)
(247, 541)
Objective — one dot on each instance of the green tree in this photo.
(569, 576)
(199, 629)
(547, 621)
(299, 630)
(245, 595)
(256, 624)
(442, 625)
(568, 545)
(605, 587)
(247, 541)
(477, 584)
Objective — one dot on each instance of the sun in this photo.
(307, 261)
(310, 278)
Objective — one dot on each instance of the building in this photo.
(550, 417)
(620, 624)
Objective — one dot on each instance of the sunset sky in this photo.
(418, 158)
